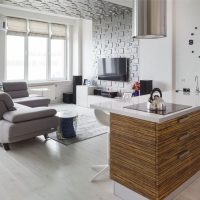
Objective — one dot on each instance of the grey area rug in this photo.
(87, 127)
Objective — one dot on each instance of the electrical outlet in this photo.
(186, 89)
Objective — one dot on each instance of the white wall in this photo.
(2, 55)
(156, 56)
(77, 48)
(61, 87)
(2, 49)
(83, 49)
(187, 17)
(88, 70)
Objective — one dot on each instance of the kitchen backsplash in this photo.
(112, 37)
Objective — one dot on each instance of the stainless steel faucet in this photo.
(197, 83)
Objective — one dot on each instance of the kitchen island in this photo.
(153, 155)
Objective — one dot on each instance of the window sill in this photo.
(43, 83)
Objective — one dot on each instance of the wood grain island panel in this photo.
(154, 159)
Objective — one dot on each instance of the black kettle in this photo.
(155, 102)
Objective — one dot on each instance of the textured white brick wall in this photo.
(112, 37)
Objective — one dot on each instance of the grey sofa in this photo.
(19, 93)
(19, 122)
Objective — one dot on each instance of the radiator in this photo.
(46, 91)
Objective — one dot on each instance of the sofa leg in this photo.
(46, 136)
(6, 146)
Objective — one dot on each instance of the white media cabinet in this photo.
(85, 96)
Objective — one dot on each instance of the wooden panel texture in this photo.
(177, 151)
(132, 154)
(154, 159)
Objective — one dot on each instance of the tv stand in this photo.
(85, 96)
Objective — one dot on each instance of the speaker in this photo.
(67, 97)
(97, 92)
(77, 80)
(146, 86)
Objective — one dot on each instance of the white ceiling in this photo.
(87, 9)
(127, 3)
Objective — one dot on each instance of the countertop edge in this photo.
(146, 118)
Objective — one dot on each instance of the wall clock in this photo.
(194, 42)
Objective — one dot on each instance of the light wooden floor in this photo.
(39, 170)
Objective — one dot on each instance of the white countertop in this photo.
(117, 106)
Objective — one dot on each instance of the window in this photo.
(15, 58)
(37, 58)
(57, 59)
(36, 51)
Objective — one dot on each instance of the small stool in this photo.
(68, 125)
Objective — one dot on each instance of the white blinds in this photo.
(38, 28)
(16, 25)
(58, 31)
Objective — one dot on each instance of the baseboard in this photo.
(126, 194)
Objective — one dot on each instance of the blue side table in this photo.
(68, 125)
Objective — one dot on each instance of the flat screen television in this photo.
(113, 69)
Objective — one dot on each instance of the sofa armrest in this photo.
(24, 113)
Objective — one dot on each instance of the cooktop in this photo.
(170, 108)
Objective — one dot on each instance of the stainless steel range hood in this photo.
(149, 19)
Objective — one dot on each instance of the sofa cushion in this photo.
(33, 101)
(20, 131)
(3, 109)
(24, 113)
(18, 94)
(16, 89)
(6, 99)
(14, 86)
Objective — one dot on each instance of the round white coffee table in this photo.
(68, 124)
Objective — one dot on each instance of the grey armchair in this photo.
(19, 93)
(19, 122)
